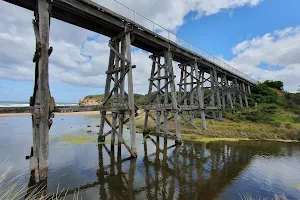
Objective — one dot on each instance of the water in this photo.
(23, 104)
(221, 170)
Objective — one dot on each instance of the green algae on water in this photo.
(81, 138)
(195, 138)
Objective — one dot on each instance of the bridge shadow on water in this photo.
(167, 171)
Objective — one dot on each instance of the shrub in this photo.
(275, 84)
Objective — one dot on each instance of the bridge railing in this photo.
(127, 12)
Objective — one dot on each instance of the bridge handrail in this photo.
(134, 16)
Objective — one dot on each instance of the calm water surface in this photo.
(221, 170)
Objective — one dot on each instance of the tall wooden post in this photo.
(249, 89)
(169, 65)
(223, 93)
(101, 137)
(240, 95)
(158, 112)
(200, 97)
(245, 95)
(166, 101)
(212, 90)
(229, 97)
(145, 129)
(238, 90)
(218, 93)
(130, 95)
(41, 95)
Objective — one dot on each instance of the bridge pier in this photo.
(245, 95)
(161, 100)
(119, 66)
(40, 101)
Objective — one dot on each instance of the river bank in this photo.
(229, 130)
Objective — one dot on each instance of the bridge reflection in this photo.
(188, 171)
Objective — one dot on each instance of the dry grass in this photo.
(13, 190)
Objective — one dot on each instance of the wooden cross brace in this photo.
(119, 136)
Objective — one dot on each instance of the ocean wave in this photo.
(24, 105)
(13, 105)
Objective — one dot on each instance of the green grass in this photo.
(229, 129)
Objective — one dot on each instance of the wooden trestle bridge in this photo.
(206, 87)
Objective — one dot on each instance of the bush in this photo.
(274, 84)
(261, 93)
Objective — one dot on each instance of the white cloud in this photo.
(77, 60)
(279, 48)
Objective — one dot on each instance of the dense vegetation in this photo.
(275, 106)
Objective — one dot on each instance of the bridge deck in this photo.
(92, 16)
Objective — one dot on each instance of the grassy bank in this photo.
(229, 130)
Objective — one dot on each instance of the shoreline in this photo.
(201, 139)
(234, 132)
(85, 113)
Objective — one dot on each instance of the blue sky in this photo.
(261, 36)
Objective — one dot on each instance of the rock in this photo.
(91, 100)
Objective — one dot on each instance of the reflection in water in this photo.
(218, 170)
(190, 171)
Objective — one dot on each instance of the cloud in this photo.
(279, 50)
(170, 13)
(80, 57)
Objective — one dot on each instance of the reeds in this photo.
(13, 190)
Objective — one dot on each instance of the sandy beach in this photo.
(89, 113)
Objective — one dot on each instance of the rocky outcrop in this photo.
(91, 100)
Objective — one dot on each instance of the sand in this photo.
(88, 113)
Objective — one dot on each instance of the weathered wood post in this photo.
(218, 94)
(245, 95)
(200, 96)
(238, 90)
(145, 129)
(169, 66)
(229, 97)
(223, 93)
(130, 94)
(212, 90)
(41, 95)
(166, 101)
(249, 89)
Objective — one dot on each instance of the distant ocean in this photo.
(23, 103)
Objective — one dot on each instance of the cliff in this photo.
(91, 100)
